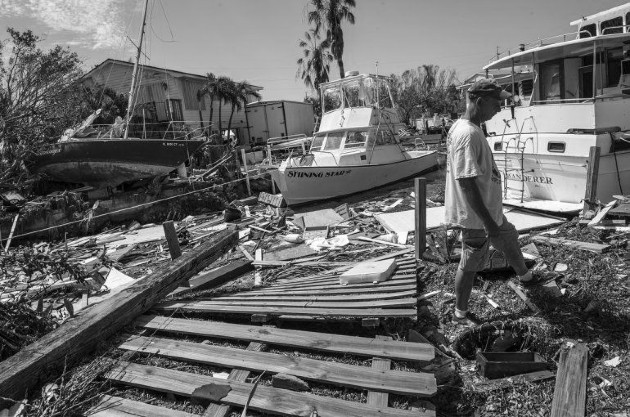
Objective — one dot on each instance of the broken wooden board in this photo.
(221, 275)
(551, 241)
(360, 377)
(326, 342)
(319, 219)
(523, 297)
(501, 383)
(569, 395)
(79, 335)
(622, 210)
(379, 398)
(264, 398)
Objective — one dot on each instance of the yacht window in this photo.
(550, 88)
(608, 27)
(333, 141)
(613, 66)
(627, 20)
(558, 147)
(316, 145)
(356, 139)
(498, 146)
(588, 31)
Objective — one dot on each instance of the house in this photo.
(166, 95)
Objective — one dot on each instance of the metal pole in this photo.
(249, 188)
(134, 75)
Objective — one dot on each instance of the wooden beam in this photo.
(569, 395)
(288, 302)
(379, 398)
(79, 335)
(500, 383)
(220, 275)
(171, 239)
(551, 241)
(347, 297)
(420, 189)
(523, 297)
(326, 342)
(592, 175)
(264, 398)
(360, 377)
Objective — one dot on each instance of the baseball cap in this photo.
(488, 87)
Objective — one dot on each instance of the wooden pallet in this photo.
(379, 380)
(316, 297)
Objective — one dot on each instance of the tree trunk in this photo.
(211, 113)
(230, 123)
(342, 71)
(200, 114)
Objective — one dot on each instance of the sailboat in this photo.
(108, 158)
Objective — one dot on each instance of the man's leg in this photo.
(507, 242)
(474, 254)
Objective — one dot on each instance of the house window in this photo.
(175, 110)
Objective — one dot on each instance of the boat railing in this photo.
(540, 42)
(281, 139)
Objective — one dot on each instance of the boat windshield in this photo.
(333, 141)
(317, 142)
(359, 92)
(356, 139)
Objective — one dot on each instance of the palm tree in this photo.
(314, 66)
(328, 15)
(240, 94)
(210, 90)
(223, 92)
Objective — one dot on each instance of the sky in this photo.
(257, 40)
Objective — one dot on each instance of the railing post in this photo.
(249, 187)
(592, 174)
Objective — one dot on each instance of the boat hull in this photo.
(301, 185)
(561, 179)
(110, 162)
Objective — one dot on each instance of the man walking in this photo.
(473, 196)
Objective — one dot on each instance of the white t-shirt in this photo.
(469, 155)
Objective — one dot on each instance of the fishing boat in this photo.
(545, 141)
(356, 147)
(108, 156)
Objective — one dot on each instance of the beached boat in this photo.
(578, 99)
(356, 147)
(108, 156)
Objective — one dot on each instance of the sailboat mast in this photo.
(134, 75)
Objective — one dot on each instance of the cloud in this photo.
(93, 24)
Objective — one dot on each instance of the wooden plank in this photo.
(602, 213)
(523, 297)
(592, 176)
(399, 280)
(109, 406)
(381, 242)
(241, 375)
(500, 383)
(346, 289)
(379, 398)
(347, 297)
(420, 188)
(375, 303)
(569, 395)
(326, 342)
(551, 241)
(264, 398)
(200, 307)
(171, 239)
(221, 275)
(79, 335)
(361, 377)
(400, 274)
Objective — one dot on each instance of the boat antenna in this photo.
(378, 102)
(134, 75)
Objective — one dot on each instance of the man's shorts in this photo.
(475, 246)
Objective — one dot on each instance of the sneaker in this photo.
(540, 277)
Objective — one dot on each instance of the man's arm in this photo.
(473, 197)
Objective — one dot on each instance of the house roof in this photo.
(174, 73)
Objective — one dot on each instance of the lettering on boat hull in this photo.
(529, 178)
(323, 174)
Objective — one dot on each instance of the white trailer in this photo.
(271, 119)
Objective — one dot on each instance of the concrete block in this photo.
(369, 272)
